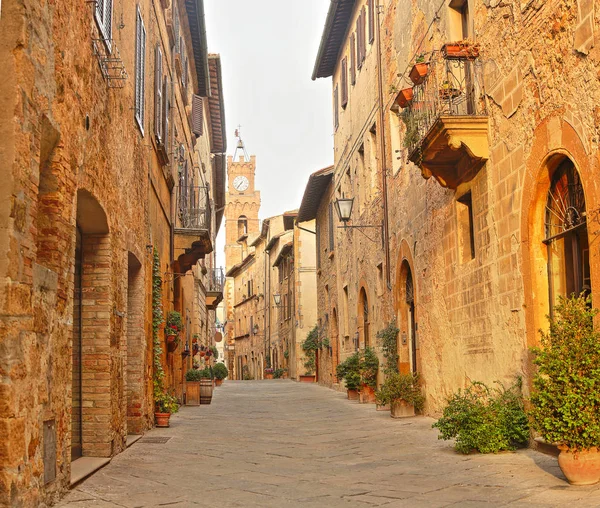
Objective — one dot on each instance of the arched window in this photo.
(242, 226)
(566, 235)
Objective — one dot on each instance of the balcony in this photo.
(192, 236)
(214, 291)
(446, 120)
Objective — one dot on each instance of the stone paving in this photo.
(279, 443)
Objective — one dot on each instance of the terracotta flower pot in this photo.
(404, 97)
(367, 395)
(268, 376)
(580, 467)
(162, 419)
(172, 345)
(418, 73)
(307, 378)
(352, 394)
(202, 353)
(460, 50)
(401, 409)
(218, 382)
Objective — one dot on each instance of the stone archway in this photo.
(557, 148)
(405, 303)
(92, 311)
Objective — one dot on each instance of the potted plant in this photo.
(418, 73)
(278, 373)
(388, 340)
(566, 406)
(192, 387)
(404, 97)
(268, 373)
(214, 352)
(402, 393)
(164, 405)
(173, 327)
(220, 372)
(461, 50)
(348, 370)
(368, 368)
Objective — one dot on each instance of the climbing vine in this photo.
(389, 344)
(157, 320)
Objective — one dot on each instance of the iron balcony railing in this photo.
(453, 87)
(216, 281)
(193, 208)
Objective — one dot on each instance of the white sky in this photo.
(268, 49)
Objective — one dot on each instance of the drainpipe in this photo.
(382, 146)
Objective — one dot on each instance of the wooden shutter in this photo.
(103, 15)
(166, 115)
(197, 115)
(140, 69)
(371, 21)
(176, 26)
(363, 35)
(353, 59)
(344, 82)
(331, 229)
(358, 41)
(336, 119)
(158, 97)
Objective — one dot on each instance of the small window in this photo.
(158, 95)
(371, 21)
(140, 68)
(459, 18)
(336, 116)
(353, 59)
(344, 82)
(466, 236)
(331, 229)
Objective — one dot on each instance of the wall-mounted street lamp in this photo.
(343, 207)
(277, 299)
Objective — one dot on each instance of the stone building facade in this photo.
(484, 181)
(112, 148)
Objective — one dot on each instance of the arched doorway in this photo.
(335, 344)
(566, 236)
(364, 335)
(407, 319)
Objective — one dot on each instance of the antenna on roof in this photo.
(240, 145)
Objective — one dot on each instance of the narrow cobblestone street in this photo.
(279, 443)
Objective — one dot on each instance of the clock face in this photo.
(240, 183)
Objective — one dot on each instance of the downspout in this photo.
(383, 151)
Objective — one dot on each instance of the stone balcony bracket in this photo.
(454, 149)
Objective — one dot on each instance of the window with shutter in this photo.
(353, 59)
(166, 117)
(158, 95)
(363, 30)
(140, 67)
(197, 115)
(103, 15)
(358, 43)
(331, 229)
(344, 82)
(336, 119)
(176, 27)
(371, 21)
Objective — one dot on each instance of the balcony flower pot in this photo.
(352, 394)
(404, 97)
(162, 419)
(401, 409)
(581, 467)
(460, 50)
(366, 395)
(419, 72)
(307, 378)
(202, 353)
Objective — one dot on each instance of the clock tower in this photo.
(241, 207)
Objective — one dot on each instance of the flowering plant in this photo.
(268, 370)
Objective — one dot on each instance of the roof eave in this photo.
(197, 22)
